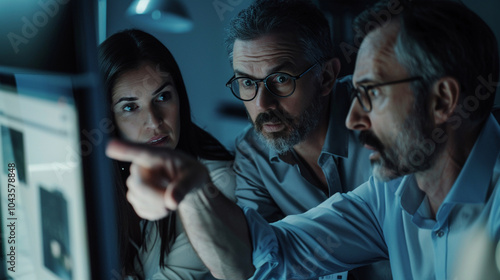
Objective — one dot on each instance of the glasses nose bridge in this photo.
(362, 97)
(258, 81)
(265, 99)
(264, 82)
(356, 117)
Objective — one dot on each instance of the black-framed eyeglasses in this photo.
(279, 84)
(362, 93)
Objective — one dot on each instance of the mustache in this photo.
(273, 116)
(368, 138)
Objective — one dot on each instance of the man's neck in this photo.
(309, 151)
(310, 148)
(438, 180)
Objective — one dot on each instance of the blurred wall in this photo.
(489, 10)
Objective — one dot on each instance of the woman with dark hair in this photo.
(150, 105)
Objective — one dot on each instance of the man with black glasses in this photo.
(297, 152)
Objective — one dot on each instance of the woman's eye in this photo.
(164, 96)
(129, 107)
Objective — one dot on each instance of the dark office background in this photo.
(202, 58)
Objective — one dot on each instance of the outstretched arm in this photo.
(163, 180)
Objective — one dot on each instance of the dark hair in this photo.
(298, 17)
(444, 38)
(120, 53)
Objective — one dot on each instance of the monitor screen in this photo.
(42, 201)
(57, 209)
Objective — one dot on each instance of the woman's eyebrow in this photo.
(125, 99)
(166, 84)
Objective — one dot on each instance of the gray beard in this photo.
(408, 153)
(301, 128)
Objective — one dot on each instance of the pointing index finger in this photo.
(130, 152)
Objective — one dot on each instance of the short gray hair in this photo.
(299, 17)
(443, 38)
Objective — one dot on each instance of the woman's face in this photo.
(145, 105)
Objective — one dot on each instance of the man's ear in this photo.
(444, 100)
(329, 73)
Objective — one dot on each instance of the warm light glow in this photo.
(141, 7)
(162, 15)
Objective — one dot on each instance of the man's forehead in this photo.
(268, 53)
(377, 57)
(269, 45)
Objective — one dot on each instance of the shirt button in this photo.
(440, 233)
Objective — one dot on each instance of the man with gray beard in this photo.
(297, 152)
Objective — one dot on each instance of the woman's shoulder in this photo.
(181, 262)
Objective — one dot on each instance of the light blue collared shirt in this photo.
(386, 220)
(280, 185)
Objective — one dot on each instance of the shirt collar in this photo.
(411, 196)
(473, 182)
(337, 135)
(275, 157)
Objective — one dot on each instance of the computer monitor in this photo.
(43, 206)
(57, 188)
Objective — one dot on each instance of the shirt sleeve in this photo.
(250, 189)
(340, 234)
